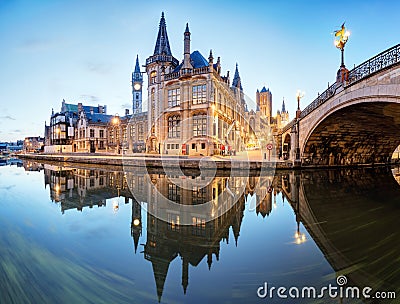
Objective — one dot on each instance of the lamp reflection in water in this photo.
(299, 238)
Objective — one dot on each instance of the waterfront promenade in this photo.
(244, 160)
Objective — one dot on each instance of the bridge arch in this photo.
(358, 131)
(356, 121)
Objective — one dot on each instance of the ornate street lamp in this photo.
(341, 37)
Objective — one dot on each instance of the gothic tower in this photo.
(137, 85)
(265, 103)
(157, 65)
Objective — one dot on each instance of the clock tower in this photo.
(137, 84)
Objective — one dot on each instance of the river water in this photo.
(73, 234)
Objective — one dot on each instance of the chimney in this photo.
(91, 110)
(100, 109)
(126, 112)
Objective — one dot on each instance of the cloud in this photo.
(7, 117)
(35, 45)
(90, 98)
(98, 68)
(126, 106)
(16, 131)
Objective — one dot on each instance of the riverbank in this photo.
(239, 162)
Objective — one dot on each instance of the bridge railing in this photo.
(375, 64)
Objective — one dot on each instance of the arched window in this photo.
(153, 77)
(199, 125)
(174, 128)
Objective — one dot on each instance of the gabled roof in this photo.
(196, 59)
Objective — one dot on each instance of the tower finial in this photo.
(187, 28)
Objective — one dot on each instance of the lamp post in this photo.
(299, 95)
(341, 37)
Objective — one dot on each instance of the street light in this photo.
(299, 95)
(341, 37)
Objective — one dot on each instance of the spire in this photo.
(137, 67)
(283, 106)
(210, 58)
(162, 43)
(236, 79)
(137, 75)
(187, 28)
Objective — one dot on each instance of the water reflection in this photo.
(352, 215)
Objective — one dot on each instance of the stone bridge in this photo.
(355, 121)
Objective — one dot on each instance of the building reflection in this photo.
(77, 188)
(338, 209)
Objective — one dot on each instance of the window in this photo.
(168, 146)
(101, 133)
(174, 129)
(153, 77)
(101, 144)
(199, 195)
(193, 146)
(174, 192)
(91, 132)
(83, 133)
(111, 133)
(176, 146)
(140, 132)
(124, 134)
(101, 181)
(91, 182)
(199, 125)
(132, 131)
(199, 94)
(198, 226)
(137, 95)
(174, 97)
(203, 145)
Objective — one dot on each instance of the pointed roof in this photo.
(137, 75)
(263, 90)
(283, 106)
(187, 28)
(236, 79)
(160, 270)
(162, 43)
(137, 67)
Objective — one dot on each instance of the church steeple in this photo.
(162, 43)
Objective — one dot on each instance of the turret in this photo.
(187, 66)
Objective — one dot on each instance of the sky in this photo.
(85, 51)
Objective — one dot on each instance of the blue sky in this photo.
(84, 51)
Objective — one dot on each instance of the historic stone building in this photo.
(192, 108)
